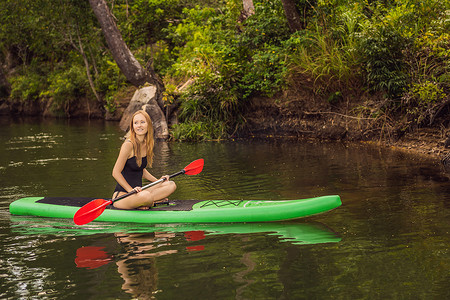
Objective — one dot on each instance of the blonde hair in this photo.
(148, 140)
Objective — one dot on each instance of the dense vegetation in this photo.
(397, 51)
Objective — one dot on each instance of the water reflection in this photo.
(193, 236)
(91, 257)
(140, 245)
(243, 277)
(293, 232)
(137, 265)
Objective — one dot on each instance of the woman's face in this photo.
(140, 124)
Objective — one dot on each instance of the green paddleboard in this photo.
(183, 211)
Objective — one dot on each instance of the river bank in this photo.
(298, 114)
(304, 115)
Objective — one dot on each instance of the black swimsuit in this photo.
(132, 173)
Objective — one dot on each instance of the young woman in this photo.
(135, 154)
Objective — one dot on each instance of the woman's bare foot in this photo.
(162, 201)
(143, 208)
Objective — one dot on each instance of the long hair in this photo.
(148, 140)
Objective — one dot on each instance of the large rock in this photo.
(145, 99)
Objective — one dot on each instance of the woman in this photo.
(135, 154)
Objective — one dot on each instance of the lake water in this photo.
(389, 239)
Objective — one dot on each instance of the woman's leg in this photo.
(147, 197)
(163, 190)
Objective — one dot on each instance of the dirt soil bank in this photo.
(307, 117)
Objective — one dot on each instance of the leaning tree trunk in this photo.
(126, 61)
(292, 15)
(132, 70)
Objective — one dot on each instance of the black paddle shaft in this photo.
(148, 185)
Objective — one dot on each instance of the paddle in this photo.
(95, 208)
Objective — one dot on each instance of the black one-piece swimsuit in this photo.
(132, 173)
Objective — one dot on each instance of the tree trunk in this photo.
(249, 8)
(5, 87)
(126, 61)
(292, 15)
(132, 69)
(247, 11)
(86, 64)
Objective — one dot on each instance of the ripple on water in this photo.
(24, 278)
(37, 141)
(46, 161)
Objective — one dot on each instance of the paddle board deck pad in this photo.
(183, 211)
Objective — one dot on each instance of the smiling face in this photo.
(140, 125)
(141, 135)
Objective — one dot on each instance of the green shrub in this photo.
(228, 64)
(199, 131)
(66, 85)
(27, 87)
(110, 78)
(331, 65)
(422, 100)
(265, 74)
(427, 93)
(268, 26)
(208, 99)
(110, 104)
(381, 49)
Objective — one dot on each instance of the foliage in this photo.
(265, 73)
(399, 49)
(266, 27)
(326, 53)
(262, 55)
(324, 60)
(228, 66)
(382, 53)
(198, 130)
(421, 100)
(428, 64)
(26, 88)
(110, 79)
(427, 93)
(66, 86)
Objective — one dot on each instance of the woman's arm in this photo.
(149, 176)
(152, 178)
(125, 152)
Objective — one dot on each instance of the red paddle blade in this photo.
(89, 212)
(194, 167)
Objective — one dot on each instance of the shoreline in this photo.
(424, 142)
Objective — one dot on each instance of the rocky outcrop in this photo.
(145, 99)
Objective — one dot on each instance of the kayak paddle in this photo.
(90, 211)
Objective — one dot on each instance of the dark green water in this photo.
(389, 239)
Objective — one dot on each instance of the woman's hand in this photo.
(166, 177)
(137, 189)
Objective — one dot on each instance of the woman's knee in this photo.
(144, 196)
(170, 185)
(173, 185)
